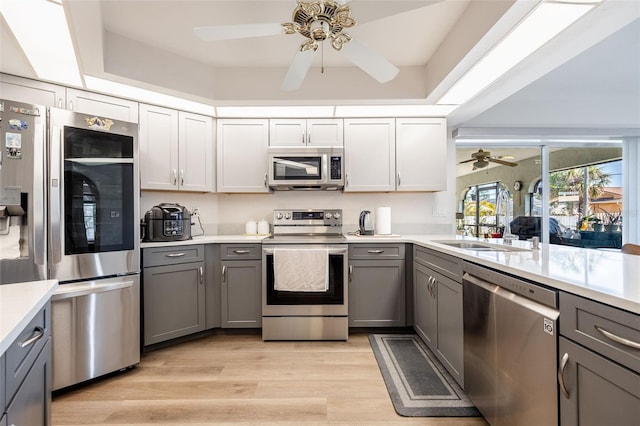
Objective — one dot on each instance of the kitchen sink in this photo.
(479, 246)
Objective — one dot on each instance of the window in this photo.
(482, 215)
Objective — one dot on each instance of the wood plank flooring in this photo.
(239, 379)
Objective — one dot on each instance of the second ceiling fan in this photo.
(317, 21)
(482, 158)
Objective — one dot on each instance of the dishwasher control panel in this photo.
(516, 285)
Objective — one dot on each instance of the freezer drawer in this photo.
(96, 328)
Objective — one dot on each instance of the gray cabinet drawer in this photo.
(447, 265)
(376, 251)
(160, 256)
(609, 331)
(241, 251)
(25, 349)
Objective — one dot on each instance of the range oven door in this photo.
(291, 303)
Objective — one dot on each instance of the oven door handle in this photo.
(270, 250)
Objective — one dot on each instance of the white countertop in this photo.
(19, 304)
(606, 276)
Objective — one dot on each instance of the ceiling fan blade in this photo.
(504, 163)
(374, 64)
(297, 70)
(342, 2)
(467, 161)
(229, 32)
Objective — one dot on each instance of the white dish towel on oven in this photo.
(301, 269)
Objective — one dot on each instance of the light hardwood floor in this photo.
(239, 379)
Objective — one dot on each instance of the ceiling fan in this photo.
(482, 158)
(317, 21)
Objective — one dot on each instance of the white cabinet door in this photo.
(102, 105)
(287, 132)
(195, 152)
(242, 155)
(31, 91)
(421, 154)
(369, 146)
(325, 132)
(306, 132)
(158, 148)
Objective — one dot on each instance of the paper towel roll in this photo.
(383, 220)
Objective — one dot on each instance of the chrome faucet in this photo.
(503, 198)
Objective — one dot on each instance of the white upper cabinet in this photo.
(102, 105)
(306, 132)
(421, 154)
(242, 155)
(31, 91)
(370, 155)
(51, 95)
(176, 150)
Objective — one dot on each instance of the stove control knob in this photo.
(287, 215)
(279, 215)
(328, 215)
(336, 215)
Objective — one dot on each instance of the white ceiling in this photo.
(150, 44)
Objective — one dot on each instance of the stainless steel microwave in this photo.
(306, 168)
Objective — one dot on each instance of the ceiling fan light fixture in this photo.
(480, 164)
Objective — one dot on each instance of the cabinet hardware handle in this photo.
(242, 251)
(201, 272)
(70, 105)
(175, 177)
(618, 339)
(37, 334)
(350, 272)
(309, 137)
(563, 365)
(303, 137)
(224, 273)
(265, 180)
(375, 251)
(181, 177)
(399, 179)
(175, 254)
(60, 103)
(347, 180)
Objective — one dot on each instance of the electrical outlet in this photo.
(436, 212)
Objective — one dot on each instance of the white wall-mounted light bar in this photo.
(148, 96)
(41, 29)
(544, 23)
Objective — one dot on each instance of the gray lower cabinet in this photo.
(26, 375)
(438, 307)
(599, 371)
(173, 293)
(377, 287)
(241, 288)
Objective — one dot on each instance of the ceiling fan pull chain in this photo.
(322, 58)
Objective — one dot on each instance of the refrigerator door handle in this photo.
(55, 214)
(39, 242)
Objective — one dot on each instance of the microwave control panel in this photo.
(336, 168)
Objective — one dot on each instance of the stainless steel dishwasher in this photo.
(510, 348)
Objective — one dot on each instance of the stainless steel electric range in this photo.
(304, 277)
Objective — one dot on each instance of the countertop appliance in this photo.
(306, 168)
(510, 347)
(167, 222)
(298, 314)
(68, 189)
(366, 223)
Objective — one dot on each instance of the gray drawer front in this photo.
(241, 251)
(25, 349)
(161, 256)
(580, 319)
(445, 264)
(376, 251)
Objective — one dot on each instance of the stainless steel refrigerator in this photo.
(69, 188)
